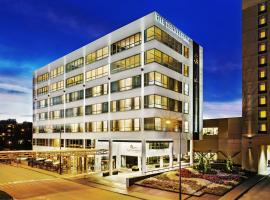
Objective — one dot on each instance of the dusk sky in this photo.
(34, 33)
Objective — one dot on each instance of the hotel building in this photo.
(256, 85)
(134, 91)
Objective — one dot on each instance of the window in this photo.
(262, 20)
(97, 73)
(57, 100)
(74, 128)
(74, 96)
(96, 91)
(186, 70)
(127, 63)
(74, 112)
(262, 7)
(99, 126)
(75, 64)
(262, 34)
(186, 127)
(262, 100)
(97, 55)
(57, 86)
(57, 114)
(186, 89)
(155, 55)
(262, 74)
(57, 128)
(156, 33)
(126, 84)
(43, 90)
(43, 77)
(161, 124)
(75, 80)
(262, 87)
(57, 71)
(262, 127)
(42, 103)
(73, 143)
(186, 52)
(125, 125)
(210, 131)
(157, 101)
(96, 108)
(126, 43)
(262, 47)
(156, 78)
(125, 104)
(262, 114)
(158, 145)
(262, 60)
(186, 108)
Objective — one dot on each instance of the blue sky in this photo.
(34, 33)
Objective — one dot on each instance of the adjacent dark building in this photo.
(256, 85)
(15, 136)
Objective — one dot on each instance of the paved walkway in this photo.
(260, 191)
(242, 188)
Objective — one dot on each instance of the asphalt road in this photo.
(261, 191)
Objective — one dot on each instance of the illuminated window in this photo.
(126, 43)
(262, 47)
(97, 55)
(57, 71)
(262, 114)
(210, 131)
(262, 34)
(262, 74)
(186, 89)
(262, 127)
(57, 86)
(262, 7)
(126, 63)
(97, 73)
(262, 60)
(43, 77)
(75, 80)
(186, 70)
(75, 64)
(186, 108)
(186, 128)
(262, 20)
(186, 52)
(262, 100)
(262, 87)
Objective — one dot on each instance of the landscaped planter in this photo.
(115, 172)
(135, 168)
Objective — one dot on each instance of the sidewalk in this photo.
(243, 188)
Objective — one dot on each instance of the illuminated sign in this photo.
(172, 28)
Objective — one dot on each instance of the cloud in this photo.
(220, 66)
(222, 109)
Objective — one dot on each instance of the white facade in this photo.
(124, 143)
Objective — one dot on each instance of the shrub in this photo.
(106, 173)
(135, 168)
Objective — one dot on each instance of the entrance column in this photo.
(140, 163)
(191, 153)
(110, 157)
(143, 157)
(171, 155)
(262, 164)
(161, 161)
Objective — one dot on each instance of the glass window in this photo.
(186, 70)
(262, 74)
(262, 60)
(126, 43)
(42, 90)
(43, 77)
(127, 63)
(186, 52)
(262, 114)
(186, 89)
(57, 71)
(97, 55)
(262, 87)
(74, 64)
(186, 127)
(262, 7)
(262, 34)
(57, 86)
(97, 73)
(262, 100)
(75, 80)
(262, 127)
(186, 108)
(262, 20)
(262, 47)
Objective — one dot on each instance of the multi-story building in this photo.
(15, 136)
(256, 85)
(135, 91)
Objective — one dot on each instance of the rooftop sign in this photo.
(171, 27)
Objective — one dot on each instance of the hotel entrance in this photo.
(129, 161)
